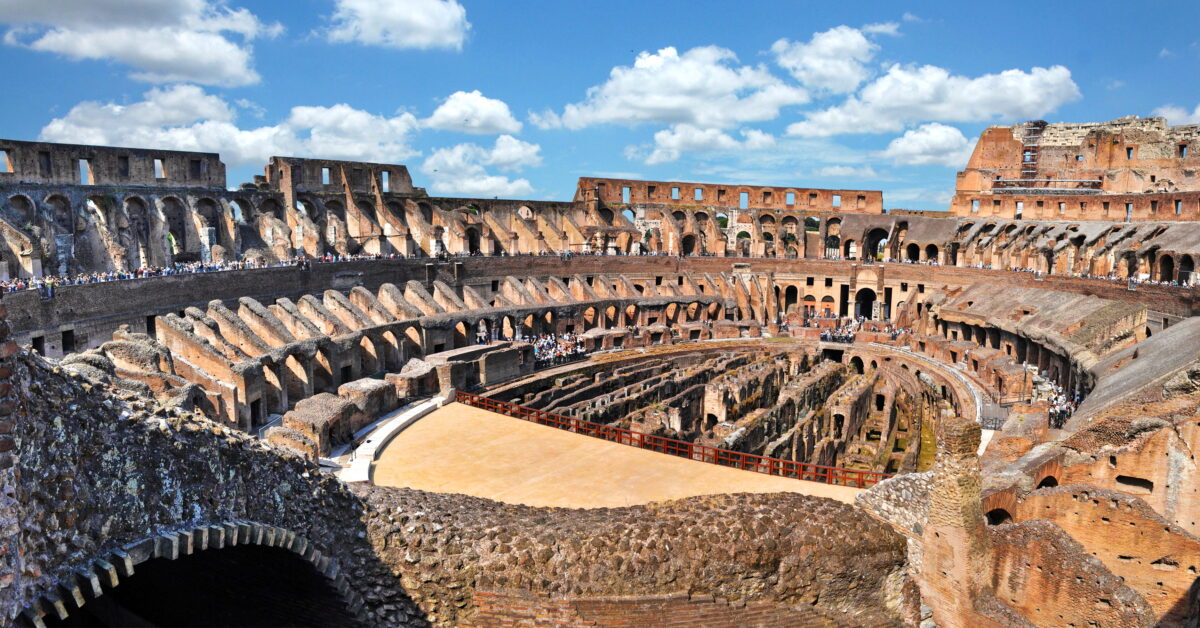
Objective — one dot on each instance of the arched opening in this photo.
(589, 318)
(850, 250)
(175, 217)
(864, 303)
(1048, 482)
(20, 211)
(791, 297)
(606, 215)
(931, 253)
(743, 243)
(473, 240)
(239, 585)
(857, 364)
(875, 244)
(1166, 268)
(242, 211)
(629, 215)
(273, 208)
(912, 252)
(997, 516)
(427, 211)
(460, 335)
(688, 244)
(1186, 268)
(335, 209)
(827, 305)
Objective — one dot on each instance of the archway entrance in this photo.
(689, 244)
(864, 303)
(243, 585)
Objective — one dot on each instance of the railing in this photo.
(683, 449)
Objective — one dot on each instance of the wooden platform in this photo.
(460, 449)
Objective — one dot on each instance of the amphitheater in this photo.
(657, 403)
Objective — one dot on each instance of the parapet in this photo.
(81, 164)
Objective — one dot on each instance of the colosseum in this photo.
(325, 397)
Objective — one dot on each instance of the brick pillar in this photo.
(957, 559)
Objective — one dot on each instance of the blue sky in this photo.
(518, 99)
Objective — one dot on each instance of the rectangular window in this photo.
(1040, 204)
(1178, 207)
(625, 194)
(921, 288)
(1129, 153)
(744, 200)
(809, 281)
(675, 194)
(720, 195)
(45, 166)
(68, 341)
(85, 172)
(1062, 208)
(1153, 207)
(495, 285)
(123, 166)
(903, 286)
(5, 164)
(159, 171)
(828, 282)
(862, 201)
(766, 198)
(324, 176)
(1182, 151)
(1020, 208)
(790, 199)
(650, 190)
(699, 195)
(812, 198)
(837, 200)
(1082, 207)
(194, 168)
(39, 344)
(385, 180)
(975, 205)
(1128, 212)
(1105, 208)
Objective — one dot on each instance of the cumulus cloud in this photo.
(670, 144)
(907, 94)
(1179, 115)
(703, 87)
(931, 143)
(848, 172)
(461, 170)
(185, 117)
(472, 112)
(833, 60)
(421, 24)
(200, 41)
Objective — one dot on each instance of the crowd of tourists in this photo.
(554, 349)
(1062, 406)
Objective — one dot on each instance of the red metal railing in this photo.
(683, 449)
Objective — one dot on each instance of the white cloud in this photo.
(907, 94)
(833, 60)
(1179, 115)
(472, 112)
(849, 172)
(421, 24)
(702, 87)
(931, 143)
(184, 117)
(1112, 84)
(163, 41)
(670, 144)
(911, 17)
(882, 28)
(461, 170)
(1164, 53)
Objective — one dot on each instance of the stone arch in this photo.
(606, 215)
(849, 249)
(271, 207)
(589, 318)
(931, 252)
(875, 243)
(366, 208)
(997, 516)
(857, 364)
(61, 213)
(790, 299)
(462, 335)
(243, 211)
(864, 303)
(1187, 267)
(1166, 268)
(912, 252)
(1048, 482)
(743, 243)
(688, 244)
(21, 211)
(472, 240)
(311, 209)
(175, 225)
(335, 208)
(149, 568)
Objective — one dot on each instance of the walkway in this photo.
(460, 449)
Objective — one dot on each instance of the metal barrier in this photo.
(683, 449)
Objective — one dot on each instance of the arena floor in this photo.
(460, 449)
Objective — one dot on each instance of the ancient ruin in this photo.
(1006, 392)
